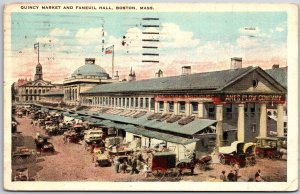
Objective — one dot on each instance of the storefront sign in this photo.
(184, 98)
(252, 98)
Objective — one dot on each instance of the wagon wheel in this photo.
(232, 162)
(18, 160)
(252, 161)
(277, 156)
(202, 165)
(31, 158)
(222, 159)
(159, 173)
(173, 173)
(260, 155)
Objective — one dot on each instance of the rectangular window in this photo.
(182, 106)
(171, 106)
(136, 102)
(127, 102)
(253, 127)
(132, 102)
(113, 101)
(123, 102)
(194, 107)
(161, 105)
(211, 110)
(141, 102)
(26, 91)
(152, 104)
(147, 103)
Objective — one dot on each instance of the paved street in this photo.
(71, 162)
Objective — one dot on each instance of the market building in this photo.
(202, 110)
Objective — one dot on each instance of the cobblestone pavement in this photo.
(71, 162)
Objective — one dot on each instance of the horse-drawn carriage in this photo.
(19, 114)
(267, 147)
(42, 144)
(233, 154)
(75, 134)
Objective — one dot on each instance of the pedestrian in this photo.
(223, 176)
(236, 169)
(146, 170)
(116, 165)
(258, 176)
(230, 176)
(134, 167)
(123, 167)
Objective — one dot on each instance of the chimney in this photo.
(116, 76)
(236, 63)
(89, 60)
(186, 70)
(159, 73)
(275, 66)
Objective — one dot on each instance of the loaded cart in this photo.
(164, 164)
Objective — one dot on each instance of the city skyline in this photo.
(66, 41)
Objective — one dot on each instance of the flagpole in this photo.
(113, 58)
(38, 52)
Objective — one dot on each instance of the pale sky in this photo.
(204, 40)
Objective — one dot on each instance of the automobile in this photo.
(233, 154)
(267, 147)
(92, 135)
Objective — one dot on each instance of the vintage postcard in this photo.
(151, 97)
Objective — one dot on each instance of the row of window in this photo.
(36, 91)
(122, 102)
(30, 98)
(71, 94)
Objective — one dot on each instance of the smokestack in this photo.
(186, 70)
(236, 63)
(89, 60)
(275, 66)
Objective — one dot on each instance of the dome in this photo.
(90, 69)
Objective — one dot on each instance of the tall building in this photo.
(32, 90)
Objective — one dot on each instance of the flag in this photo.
(36, 46)
(109, 50)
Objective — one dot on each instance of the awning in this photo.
(158, 135)
(188, 129)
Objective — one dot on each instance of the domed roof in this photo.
(90, 69)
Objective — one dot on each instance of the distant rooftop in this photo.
(279, 74)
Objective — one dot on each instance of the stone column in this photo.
(280, 120)
(166, 107)
(125, 105)
(263, 120)
(188, 111)
(219, 127)
(200, 109)
(149, 104)
(156, 107)
(241, 122)
(176, 111)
